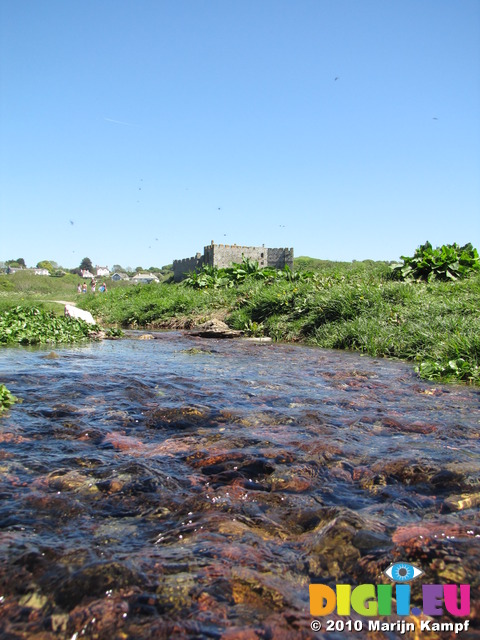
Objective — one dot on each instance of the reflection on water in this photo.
(189, 488)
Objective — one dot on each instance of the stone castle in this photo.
(222, 255)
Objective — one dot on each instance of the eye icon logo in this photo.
(403, 572)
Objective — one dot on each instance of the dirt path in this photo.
(74, 304)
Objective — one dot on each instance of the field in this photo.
(355, 306)
(27, 289)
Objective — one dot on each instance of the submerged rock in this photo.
(94, 580)
(52, 356)
(366, 540)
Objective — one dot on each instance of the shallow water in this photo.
(190, 488)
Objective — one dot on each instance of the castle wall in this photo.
(222, 255)
(182, 267)
(280, 258)
(225, 254)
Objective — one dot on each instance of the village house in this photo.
(102, 271)
(11, 270)
(145, 278)
(119, 275)
(36, 271)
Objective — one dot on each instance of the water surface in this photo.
(190, 488)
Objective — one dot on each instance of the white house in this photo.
(42, 272)
(145, 278)
(85, 273)
(102, 271)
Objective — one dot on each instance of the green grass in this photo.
(26, 289)
(154, 304)
(29, 290)
(26, 283)
(436, 325)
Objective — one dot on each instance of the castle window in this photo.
(261, 255)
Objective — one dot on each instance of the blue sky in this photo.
(135, 132)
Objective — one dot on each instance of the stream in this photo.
(181, 487)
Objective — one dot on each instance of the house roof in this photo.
(145, 276)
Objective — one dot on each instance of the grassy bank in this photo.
(156, 305)
(354, 306)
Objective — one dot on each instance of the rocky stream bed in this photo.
(182, 487)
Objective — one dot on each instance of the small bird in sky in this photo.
(434, 118)
(72, 222)
(337, 78)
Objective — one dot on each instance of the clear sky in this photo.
(137, 131)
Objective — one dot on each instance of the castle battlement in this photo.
(184, 260)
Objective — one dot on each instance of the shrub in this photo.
(448, 262)
(241, 273)
(23, 325)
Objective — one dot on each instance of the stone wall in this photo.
(186, 265)
(280, 258)
(225, 254)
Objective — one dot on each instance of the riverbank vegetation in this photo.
(424, 311)
(7, 399)
(30, 325)
(358, 306)
(448, 262)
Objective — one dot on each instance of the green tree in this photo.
(19, 262)
(46, 264)
(86, 264)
